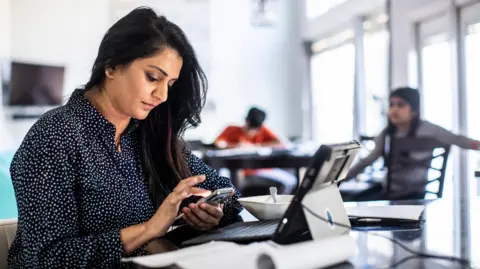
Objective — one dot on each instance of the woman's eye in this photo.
(151, 78)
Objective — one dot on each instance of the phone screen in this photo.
(219, 196)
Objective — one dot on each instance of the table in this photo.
(436, 237)
(278, 159)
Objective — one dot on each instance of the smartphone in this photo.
(219, 196)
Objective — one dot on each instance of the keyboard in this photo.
(239, 232)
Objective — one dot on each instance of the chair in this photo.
(8, 229)
(8, 203)
(437, 162)
(6, 158)
(439, 155)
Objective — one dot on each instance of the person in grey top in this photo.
(404, 121)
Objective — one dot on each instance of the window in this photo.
(376, 80)
(437, 93)
(471, 30)
(437, 82)
(332, 78)
(472, 62)
(437, 89)
(472, 55)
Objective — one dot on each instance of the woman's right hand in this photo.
(159, 224)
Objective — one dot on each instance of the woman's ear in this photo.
(109, 72)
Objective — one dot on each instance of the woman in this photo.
(404, 121)
(100, 177)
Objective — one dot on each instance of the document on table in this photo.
(310, 254)
(401, 212)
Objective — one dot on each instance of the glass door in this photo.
(437, 82)
(472, 83)
(437, 92)
(470, 18)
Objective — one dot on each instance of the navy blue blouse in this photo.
(75, 191)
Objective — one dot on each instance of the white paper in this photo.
(242, 257)
(406, 212)
(172, 257)
(311, 254)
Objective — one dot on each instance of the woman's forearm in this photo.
(136, 236)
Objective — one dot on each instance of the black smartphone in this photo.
(219, 196)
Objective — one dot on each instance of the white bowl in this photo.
(263, 208)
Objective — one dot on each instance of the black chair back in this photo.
(421, 144)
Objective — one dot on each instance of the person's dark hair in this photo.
(255, 117)
(412, 97)
(141, 34)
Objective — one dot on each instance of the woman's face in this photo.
(136, 89)
(400, 112)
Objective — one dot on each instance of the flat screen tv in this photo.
(35, 85)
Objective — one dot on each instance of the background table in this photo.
(237, 162)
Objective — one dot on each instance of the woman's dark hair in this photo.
(141, 34)
(255, 117)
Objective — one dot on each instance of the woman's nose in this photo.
(161, 93)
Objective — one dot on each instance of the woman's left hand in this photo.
(203, 217)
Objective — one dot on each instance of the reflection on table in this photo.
(436, 236)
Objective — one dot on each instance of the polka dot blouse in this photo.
(75, 191)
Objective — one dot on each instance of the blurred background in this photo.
(312, 65)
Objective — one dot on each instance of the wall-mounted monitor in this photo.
(35, 85)
(32, 89)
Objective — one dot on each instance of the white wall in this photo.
(254, 66)
(61, 33)
(4, 28)
(6, 141)
(57, 32)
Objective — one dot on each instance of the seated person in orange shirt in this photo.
(255, 133)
